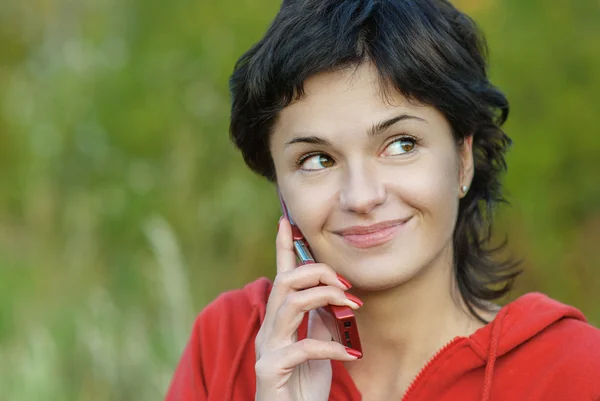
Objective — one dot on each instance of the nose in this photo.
(362, 189)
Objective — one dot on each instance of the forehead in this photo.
(347, 100)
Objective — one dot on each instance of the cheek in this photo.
(431, 187)
(308, 206)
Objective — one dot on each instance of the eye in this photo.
(315, 162)
(400, 146)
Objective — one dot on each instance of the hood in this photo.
(516, 323)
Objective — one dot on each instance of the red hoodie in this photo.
(535, 349)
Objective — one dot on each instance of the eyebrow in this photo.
(373, 131)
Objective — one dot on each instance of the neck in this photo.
(407, 324)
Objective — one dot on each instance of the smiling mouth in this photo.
(371, 236)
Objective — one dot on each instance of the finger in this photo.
(297, 353)
(310, 275)
(289, 316)
(303, 277)
(286, 258)
(286, 262)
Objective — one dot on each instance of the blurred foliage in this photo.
(124, 209)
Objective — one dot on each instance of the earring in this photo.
(464, 189)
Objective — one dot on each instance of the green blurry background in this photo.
(124, 209)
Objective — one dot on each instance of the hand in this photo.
(288, 369)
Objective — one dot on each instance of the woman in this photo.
(379, 126)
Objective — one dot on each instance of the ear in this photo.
(467, 167)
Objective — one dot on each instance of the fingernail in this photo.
(354, 299)
(354, 353)
(279, 224)
(344, 281)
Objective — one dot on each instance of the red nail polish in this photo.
(344, 281)
(354, 353)
(354, 299)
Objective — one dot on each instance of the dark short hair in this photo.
(428, 51)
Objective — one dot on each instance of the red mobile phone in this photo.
(340, 320)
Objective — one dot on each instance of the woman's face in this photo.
(374, 185)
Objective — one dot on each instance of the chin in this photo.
(378, 276)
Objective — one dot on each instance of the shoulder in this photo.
(252, 295)
(571, 362)
(544, 341)
(576, 342)
(225, 330)
(559, 327)
(235, 307)
(230, 323)
(565, 349)
(557, 323)
(220, 353)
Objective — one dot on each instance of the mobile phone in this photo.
(340, 320)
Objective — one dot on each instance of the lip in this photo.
(373, 235)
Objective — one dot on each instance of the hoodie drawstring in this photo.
(491, 361)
